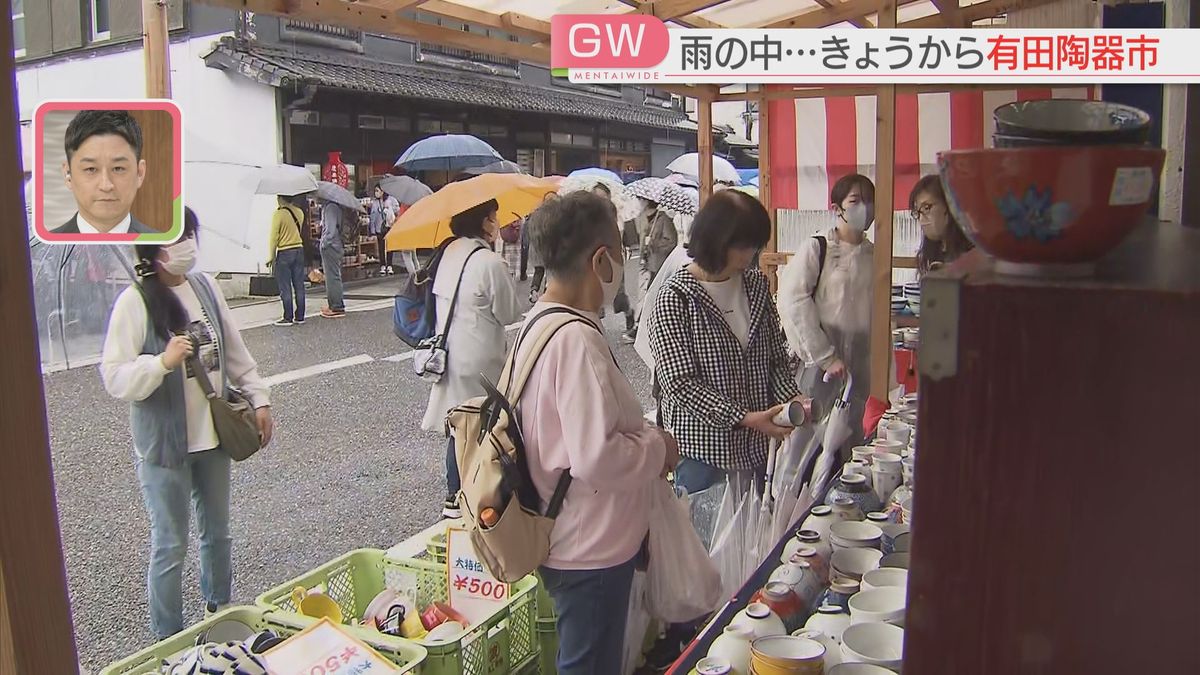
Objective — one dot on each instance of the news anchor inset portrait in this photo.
(108, 172)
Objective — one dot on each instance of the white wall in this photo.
(230, 125)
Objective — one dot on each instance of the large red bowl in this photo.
(1063, 205)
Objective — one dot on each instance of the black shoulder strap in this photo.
(454, 300)
(822, 250)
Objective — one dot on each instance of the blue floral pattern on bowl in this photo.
(1035, 215)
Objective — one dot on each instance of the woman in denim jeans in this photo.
(580, 414)
(165, 327)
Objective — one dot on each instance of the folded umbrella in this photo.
(332, 192)
(666, 194)
(448, 152)
(427, 223)
(689, 165)
(405, 189)
(283, 179)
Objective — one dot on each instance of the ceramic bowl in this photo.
(901, 543)
(894, 560)
(884, 577)
(880, 644)
(451, 630)
(880, 604)
(1050, 206)
(1072, 122)
(855, 534)
(859, 669)
(853, 563)
(787, 655)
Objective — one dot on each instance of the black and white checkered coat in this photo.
(708, 381)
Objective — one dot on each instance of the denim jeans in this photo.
(289, 275)
(592, 607)
(204, 480)
(331, 265)
(453, 479)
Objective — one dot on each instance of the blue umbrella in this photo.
(503, 166)
(449, 152)
(597, 172)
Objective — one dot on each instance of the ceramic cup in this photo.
(853, 563)
(898, 431)
(884, 481)
(714, 665)
(863, 452)
(884, 445)
(880, 644)
(884, 605)
(316, 604)
(854, 534)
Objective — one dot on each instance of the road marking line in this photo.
(329, 366)
(407, 356)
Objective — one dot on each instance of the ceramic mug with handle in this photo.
(316, 604)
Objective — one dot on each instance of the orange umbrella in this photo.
(427, 223)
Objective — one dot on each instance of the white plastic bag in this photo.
(636, 625)
(682, 583)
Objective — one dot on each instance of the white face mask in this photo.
(181, 257)
(612, 286)
(859, 216)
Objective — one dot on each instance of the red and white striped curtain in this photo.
(815, 141)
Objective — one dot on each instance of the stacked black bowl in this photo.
(1060, 121)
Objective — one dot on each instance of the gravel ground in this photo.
(350, 467)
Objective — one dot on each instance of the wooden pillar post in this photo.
(704, 144)
(35, 616)
(156, 48)
(885, 189)
(764, 165)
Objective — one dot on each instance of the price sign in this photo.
(473, 592)
(325, 649)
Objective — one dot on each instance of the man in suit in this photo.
(104, 170)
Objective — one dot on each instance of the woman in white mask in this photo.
(825, 301)
(579, 413)
(168, 328)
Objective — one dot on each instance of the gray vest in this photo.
(159, 422)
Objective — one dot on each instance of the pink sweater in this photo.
(578, 411)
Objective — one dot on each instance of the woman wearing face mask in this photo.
(943, 240)
(826, 304)
(721, 361)
(580, 414)
(169, 324)
(487, 302)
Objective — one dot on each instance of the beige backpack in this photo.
(500, 504)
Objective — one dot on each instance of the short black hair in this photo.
(469, 223)
(843, 186)
(564, 231)
(90, 123)
(729, 219)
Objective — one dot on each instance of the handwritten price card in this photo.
(473, 592)
(325, 649)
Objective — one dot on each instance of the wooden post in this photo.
(156, 48)
(35, 616)
(885, 189)
(704, 144)
(764, 185)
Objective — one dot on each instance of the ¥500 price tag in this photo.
(473, 592)
(324, 649)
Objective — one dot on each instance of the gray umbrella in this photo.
(332, 192)
(666, 194)
(405, 189)
(503, 166)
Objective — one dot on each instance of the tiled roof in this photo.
(283, 68)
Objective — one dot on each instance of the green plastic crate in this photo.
(548, 638)
(406, 655)
(504, 643)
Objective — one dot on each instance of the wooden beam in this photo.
(704, 145)
(822, 17)
(688, 20)
(669, 10)
(363, 18)
(951, 17)
(860, 22)
(516, 23)
(156, 52)
(36, 635)
(764, 182)
(972, 13)
(388, 5)
(885, 190)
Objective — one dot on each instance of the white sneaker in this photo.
(284, 322)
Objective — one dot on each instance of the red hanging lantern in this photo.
(336, 171)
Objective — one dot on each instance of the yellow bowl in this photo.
(787, 655)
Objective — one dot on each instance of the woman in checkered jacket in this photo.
(721, 360)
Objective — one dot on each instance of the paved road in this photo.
(350, 467)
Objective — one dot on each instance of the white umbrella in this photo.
(684, 180)
(837, 430)
(332, 192)
(689, 165)
(284, 179)
(666, 194)
(628, 206)
(503, 166)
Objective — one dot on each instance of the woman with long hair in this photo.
(487, 302)
(170, 327)
(942, 240)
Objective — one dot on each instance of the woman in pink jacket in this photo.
(580, 414)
